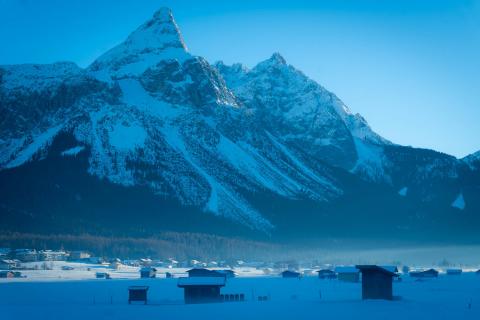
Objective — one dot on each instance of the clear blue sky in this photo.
(411, 68)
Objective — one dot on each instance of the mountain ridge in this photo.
(148, 114)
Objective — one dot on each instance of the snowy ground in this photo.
(56, 294)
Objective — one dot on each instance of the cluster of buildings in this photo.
(204, 286)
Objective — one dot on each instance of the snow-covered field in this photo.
(75, 294)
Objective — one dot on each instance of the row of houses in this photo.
(32, 255)
(204, 286)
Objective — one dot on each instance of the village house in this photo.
(10, 274)
(201, 289)
(430, 273)
(148, 272)
(9, 264)
(26, 255)
(348, 273)
(79, 255)
(102, 275)
(50, 255)
(290, 274)
(326, 274)
(376, 282)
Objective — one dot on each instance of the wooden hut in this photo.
(201, 289)
(376, 282)
(430, 273)
(326, 274)
(148, 272)
(290, 274)
(137, 293)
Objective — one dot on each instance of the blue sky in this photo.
(411, 68)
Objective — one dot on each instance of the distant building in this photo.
(201, 289)
(102, 275)
(9, 264)
(348, 274)
(50, 255)
(290, 274)
(202, 272)
(146, 262)
(454, 272)
(116, 264)
(326, 274)
(79, 255)
(376, 282)
(148, 272)
(10, 274)
(430, 273)
(96, 260)
(26, 255)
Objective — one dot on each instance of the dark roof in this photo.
(202, 272)
(291, 272)
(325, 271)
(375, 268)
(138, 288)
(201, 281)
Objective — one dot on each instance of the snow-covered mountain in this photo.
(148, 114)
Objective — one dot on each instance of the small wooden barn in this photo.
(137, 293)
(290, 274)
(326, 274)
(376, 282)
(201, 289)
(148, 272)
(430, 273)
(348, 274)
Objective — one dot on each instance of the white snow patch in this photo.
(136, 96)
(38, 143)
(370, 160)
(128, 137)
(459, 202)
(73, 151)
(403, 192)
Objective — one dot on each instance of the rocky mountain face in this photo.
(151, 137)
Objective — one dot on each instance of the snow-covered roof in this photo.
(201, 281)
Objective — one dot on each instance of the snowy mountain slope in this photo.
(147, 114)
(473, 160)
(163, 119)
(301, 111)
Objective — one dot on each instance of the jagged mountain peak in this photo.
(164, 14)
(156, 40)
(275, 61)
